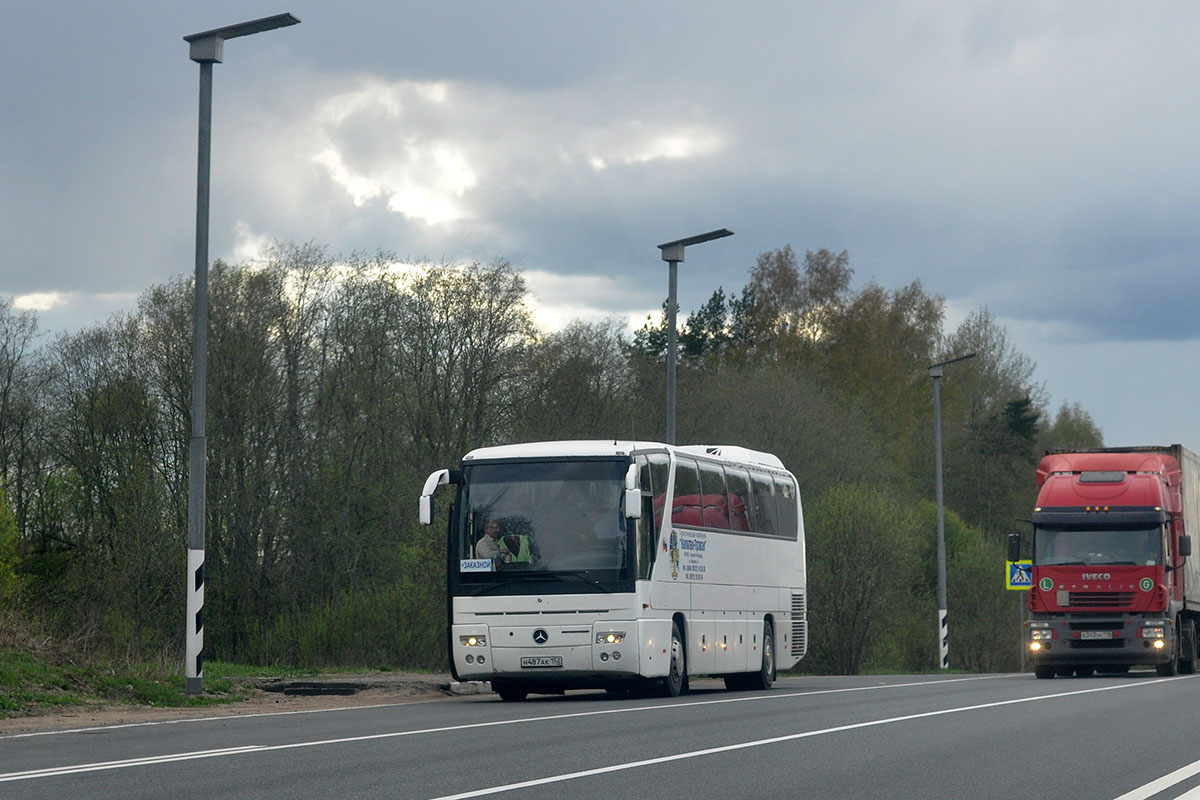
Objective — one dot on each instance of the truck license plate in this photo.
(1095, 634)
(541, 661)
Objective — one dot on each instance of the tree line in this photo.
(337, 383)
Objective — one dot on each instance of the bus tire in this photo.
(1044, 672)
(766, 673)
(510, 692)
(675, 683)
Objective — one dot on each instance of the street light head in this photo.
(210, 45)
(673, 251)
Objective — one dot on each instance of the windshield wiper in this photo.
(583, 576)
(515, 579)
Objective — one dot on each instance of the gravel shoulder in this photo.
(265, 696)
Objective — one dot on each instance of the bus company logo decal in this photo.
(1045, 584)
(1097, 576)
(541, 636)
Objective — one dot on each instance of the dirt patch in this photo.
(263, 696)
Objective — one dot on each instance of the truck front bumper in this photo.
(1088, 640)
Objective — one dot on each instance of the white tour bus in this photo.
(619, 565)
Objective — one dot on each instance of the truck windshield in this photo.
(542, 517)
(1140, 546)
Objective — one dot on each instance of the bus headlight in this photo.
(610, 637)
(473, 641)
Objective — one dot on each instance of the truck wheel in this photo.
(1044, 672)
(1084, 672)
(1187, 640)
(675, 683)
(1168, 669)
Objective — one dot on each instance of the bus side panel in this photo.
(654, 647)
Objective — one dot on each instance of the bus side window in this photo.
(737, 481)
(765, 519)
(653, 470)
(785, 495)
(712, 493)
(686, 505)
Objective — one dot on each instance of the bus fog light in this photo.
(479, 660)
(604, 656)
(470, 659)
(617, 655)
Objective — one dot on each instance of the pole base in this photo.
(193, 686)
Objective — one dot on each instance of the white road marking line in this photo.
(569, 776)
(1170, 779)
(227, 717)
(168, 758)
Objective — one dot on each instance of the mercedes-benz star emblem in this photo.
(540, 636)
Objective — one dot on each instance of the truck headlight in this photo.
(479, 640)
(1153, 632)
(610, 637)
(1040, 634)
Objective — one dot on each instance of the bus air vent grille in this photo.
(799, 626)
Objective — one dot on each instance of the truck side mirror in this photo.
(633, 495)
(1014, 547)
(1185, 545)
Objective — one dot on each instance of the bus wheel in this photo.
(510, 692)
(1084, 672)
(1044, 672)
(766, 674)
(676, 681)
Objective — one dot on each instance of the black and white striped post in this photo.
(206, 49)
(935, 372)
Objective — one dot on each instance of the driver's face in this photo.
(492, 529)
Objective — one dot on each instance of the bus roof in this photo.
(615, 447)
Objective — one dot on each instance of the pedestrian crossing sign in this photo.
(1020, 575)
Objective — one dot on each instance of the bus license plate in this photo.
(1095, 634)
(541, 661)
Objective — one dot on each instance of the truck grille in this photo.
(1097, 599)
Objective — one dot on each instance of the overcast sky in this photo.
(1039, 159)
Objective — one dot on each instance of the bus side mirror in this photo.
(425, 507)
(1185, 545)
(633, 495)
(1014, 547)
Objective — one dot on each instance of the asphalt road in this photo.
(994, 736)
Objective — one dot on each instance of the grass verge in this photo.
(30, 683)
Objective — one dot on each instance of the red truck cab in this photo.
(1108, 550)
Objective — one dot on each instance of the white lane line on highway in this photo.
(132, 762)
(168, 758)
(776, 695)
(569, 776)
(1170, 779)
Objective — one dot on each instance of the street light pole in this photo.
(206, 48)
(672, 253)
(935, 372)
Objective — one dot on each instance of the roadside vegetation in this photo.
(337, 383)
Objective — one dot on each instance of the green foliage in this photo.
(337, 383)
(861, 564)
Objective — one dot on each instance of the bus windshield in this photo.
(1140, 546)
(542, 516)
